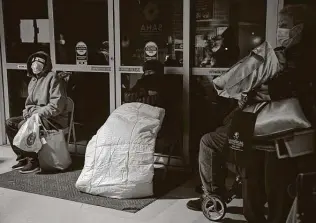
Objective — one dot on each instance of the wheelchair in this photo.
(214, 207)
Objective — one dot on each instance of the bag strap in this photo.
(231, 115)
(262, 107)
(49, 122)
(237, 109)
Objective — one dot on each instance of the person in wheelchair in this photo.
(276, 77)
(47, 96)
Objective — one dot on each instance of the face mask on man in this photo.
(283, 35)
(287, 37)
(37, 67)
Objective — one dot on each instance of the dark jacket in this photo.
(152, 83)
(292, 81)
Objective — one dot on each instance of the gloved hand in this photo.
(152, 93)
(243, 101)
(26, 115)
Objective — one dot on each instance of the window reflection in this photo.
(17, 89)
(26, 28)
(151, 29)
(81, 32)
(91, 95)
(227, 30)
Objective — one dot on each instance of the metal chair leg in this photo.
(168, 161)
(74, 138)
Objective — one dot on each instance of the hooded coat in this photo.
(47, 94)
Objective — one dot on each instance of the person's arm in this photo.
(136, 92)
(57, 101)
(140, 86)
(25, 113)
(29, 107)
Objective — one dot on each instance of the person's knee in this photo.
(12, 123)
(206, 147)
(205, 140)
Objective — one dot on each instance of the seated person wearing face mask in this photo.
(47, 96)
(276, 77)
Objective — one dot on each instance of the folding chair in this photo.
(70, 130)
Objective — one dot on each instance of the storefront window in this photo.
(151, 29)
(170, 99)
(91, 95)
(26, 28)
(81, 32)
(17, 89)
(227, 30)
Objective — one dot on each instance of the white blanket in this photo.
(119, 160)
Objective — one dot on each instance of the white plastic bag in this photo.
(27, 138)
(54, 154)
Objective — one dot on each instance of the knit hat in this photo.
(296, 12)
(154, 65)
(38, 59)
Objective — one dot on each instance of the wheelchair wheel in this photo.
(214, 208)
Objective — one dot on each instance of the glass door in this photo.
(147, 29)
(83, 45)
(152, 30)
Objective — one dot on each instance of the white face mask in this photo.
(287, 37)
(283, 36)
(37, 67)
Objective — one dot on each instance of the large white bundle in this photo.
(119, 160)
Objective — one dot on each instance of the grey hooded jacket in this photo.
(47, 93)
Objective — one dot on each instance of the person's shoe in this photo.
(20, 164)
(20, 158)
(195, 205)
(32, 166)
